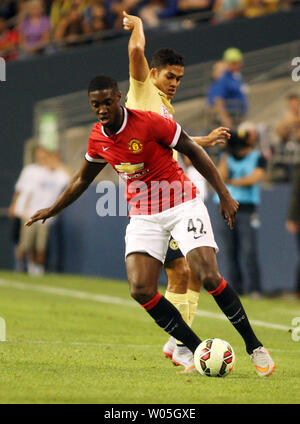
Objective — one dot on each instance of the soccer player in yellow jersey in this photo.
(152, 88)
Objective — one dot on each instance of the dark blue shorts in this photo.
(173, 251)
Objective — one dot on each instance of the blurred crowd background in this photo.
(34, 27)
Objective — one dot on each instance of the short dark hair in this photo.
(103, 82)
(164, 57)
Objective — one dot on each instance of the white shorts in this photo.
(188, 223)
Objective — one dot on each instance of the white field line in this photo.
(117, 301)
(93, 344)
(119, 345)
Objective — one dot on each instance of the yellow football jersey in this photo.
(146, 96)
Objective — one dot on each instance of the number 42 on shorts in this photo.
(196, 225)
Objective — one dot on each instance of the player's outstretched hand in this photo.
(129, 21)
(40, 215)
(218, 136)
(228, 209)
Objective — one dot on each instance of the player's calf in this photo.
(169, 319)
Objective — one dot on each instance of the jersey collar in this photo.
(166, 101)
(124, 123)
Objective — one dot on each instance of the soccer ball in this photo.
(214, 358)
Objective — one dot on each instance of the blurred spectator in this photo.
(38, 186)
(259, 133)
(186, 7)
(243, 168)
(155, 10)
(209, 118)
(293, 221)
(286, 150)
(71, 28)
(228, 97)
(94, 17)
(8, 8)
(256, 8)
(218, 69)
(169, 9)
(21, 12)
(116, 10)
(61, 8)
(67, 21)
(225, 10)
(285, 155)
(17, 210)
(9, 41)
(34, 29)
(252, 133)
(286, 129)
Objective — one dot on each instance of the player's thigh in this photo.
(145, 235)
(143, 273)
(204, 267)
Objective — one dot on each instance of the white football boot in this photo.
(169, 347)
(263, 362)
(182, 355)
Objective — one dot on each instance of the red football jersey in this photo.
(140, 152)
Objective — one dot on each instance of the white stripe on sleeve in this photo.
(90, 159)
(176, 136)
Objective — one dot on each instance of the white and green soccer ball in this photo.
(214, 358)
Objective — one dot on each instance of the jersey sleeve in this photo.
(139, 93)
(165, 131)
(92, 154)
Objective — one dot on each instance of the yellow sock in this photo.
(193, 298)
(180, 301)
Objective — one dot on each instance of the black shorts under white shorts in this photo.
(173, 251)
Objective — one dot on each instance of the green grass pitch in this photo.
(83, 340)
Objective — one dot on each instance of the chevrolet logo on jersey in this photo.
(129, 168)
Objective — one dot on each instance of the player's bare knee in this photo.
(204, 267)
(142, 293)
(211, 280)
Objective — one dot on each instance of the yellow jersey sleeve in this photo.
(143, 95)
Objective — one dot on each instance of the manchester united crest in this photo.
(135, 145)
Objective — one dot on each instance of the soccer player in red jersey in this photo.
(152, 87)
(137, 145)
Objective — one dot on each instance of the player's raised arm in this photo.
(206, 167)
(79, 183)
(138, 65)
